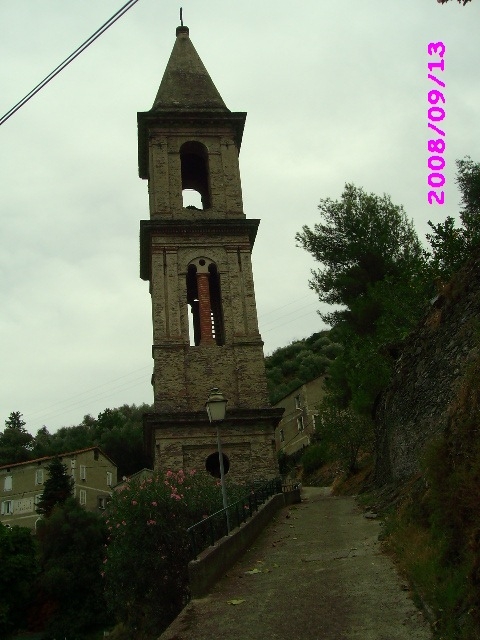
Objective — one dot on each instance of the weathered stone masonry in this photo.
(413, 409)
(198, 263)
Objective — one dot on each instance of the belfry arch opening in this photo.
(204, 302)
(195, 174)
(192, 199)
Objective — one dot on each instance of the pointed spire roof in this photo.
(186, 85)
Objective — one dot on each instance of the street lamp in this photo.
(216, 406)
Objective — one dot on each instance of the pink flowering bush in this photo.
(145, 567)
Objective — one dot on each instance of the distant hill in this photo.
(299, 362)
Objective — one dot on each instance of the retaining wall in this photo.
(215, 561)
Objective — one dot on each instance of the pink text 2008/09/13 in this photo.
(436, 113)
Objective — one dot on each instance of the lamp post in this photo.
(216, 406)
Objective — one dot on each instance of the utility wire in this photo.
(68, 60)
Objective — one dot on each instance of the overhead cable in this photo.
(68, 60)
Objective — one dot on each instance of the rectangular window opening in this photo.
(7, 508)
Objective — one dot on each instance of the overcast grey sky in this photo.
(335, 92)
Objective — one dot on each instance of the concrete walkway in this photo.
(316, 573)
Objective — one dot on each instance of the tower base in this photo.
(188, 441)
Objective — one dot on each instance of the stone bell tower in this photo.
(198, 263)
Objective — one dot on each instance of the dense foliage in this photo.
(289, 367)
(362, 240)
(452, 245)
(15, 441)
(17, 576)
(375, 270)
(71, 550)
(145, 567)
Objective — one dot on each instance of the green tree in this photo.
(42, 444)
(17, 576)
(345, 432)
(15, 441)
(71, 552)
(375, 269)
(15, 421)
(452, 245)
(57, 488)
(118, 432)
(363, 239)
(153, 515)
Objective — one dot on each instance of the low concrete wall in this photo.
(293, 496)
(215, 561)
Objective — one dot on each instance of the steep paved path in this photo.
(316, 573)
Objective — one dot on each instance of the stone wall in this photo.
(413, 409)
(186, 440)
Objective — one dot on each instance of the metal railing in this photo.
(206, 532)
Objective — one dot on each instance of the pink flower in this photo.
(124, 523)
(134, 502)
(154, 504)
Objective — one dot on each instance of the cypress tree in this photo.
(57, 488)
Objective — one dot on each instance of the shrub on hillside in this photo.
(17, 577)
(71, 545)
(345, 432)
(314, 457)
(145, 566)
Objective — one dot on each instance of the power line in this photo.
(68, 60)
(69, 406)
(77, 398)
(267, 313)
